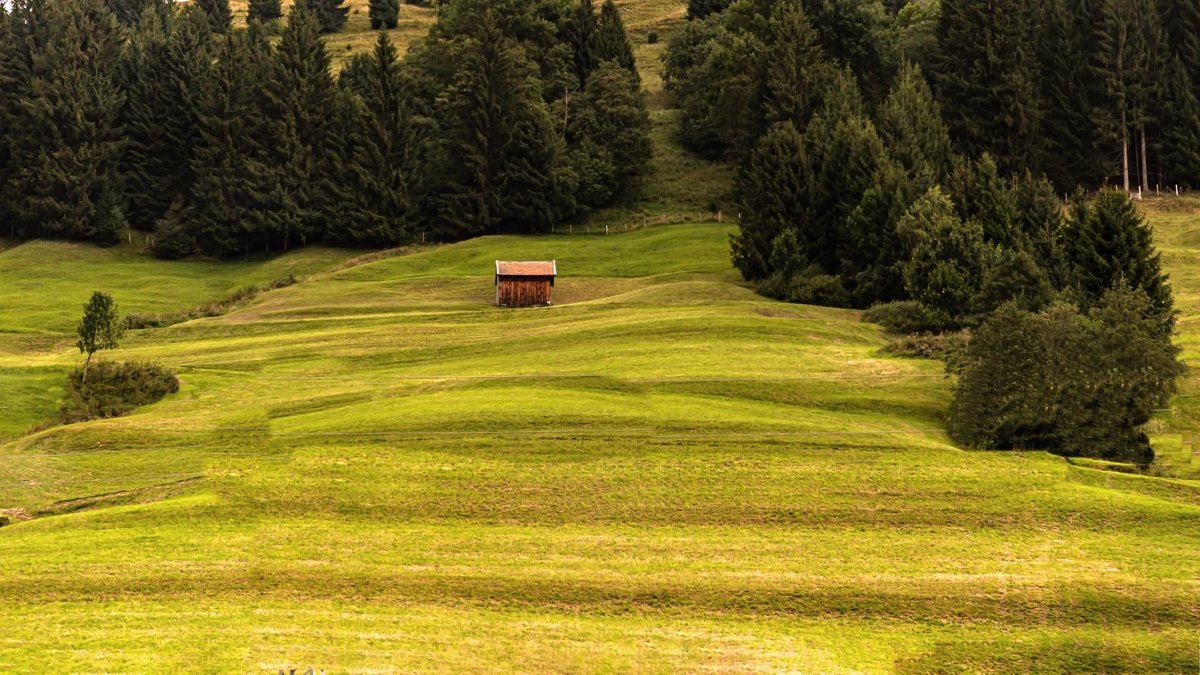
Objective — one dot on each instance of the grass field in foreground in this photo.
(375, 469)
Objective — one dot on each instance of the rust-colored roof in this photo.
(527, 268)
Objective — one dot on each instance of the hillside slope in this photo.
(376, 470)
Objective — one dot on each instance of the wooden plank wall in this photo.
(523, 292)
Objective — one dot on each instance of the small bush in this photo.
(209, 309)
(114, 389)
(652, 37)
(5, 520)
(938, 346)
(908, 317)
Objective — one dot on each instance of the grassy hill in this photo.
(374, 469)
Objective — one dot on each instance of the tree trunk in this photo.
(86, 363)
(1124, 152)
(1145, 164)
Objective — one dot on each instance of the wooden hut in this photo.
(524, 284)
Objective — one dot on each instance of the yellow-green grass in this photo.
(376, 469)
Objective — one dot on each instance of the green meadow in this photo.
(376, 470)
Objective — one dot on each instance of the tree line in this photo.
(509, 116)
(863, 182)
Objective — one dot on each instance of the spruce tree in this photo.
(982, 195)
(66, 139)
(1128, 60)
(986, 76)
(301, 93)
(164, 70)
(10, 94)
(772, 189)
(331, 15)
(796, 69)
(227, 208)
(1110, 244)
(910, 123)
(699, 9)
(220, 17)
(1070, 93)
(499, 155)
(945, 272)
(264, 11)
(609, 135)
(374, 206)
(612, 43)
(582, 31)
(383, 13)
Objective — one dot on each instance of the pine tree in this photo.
(1070, 93)
(66, 139)
(301, 93)
(264, 11)
(612, 43)
(220, 17)
(699, 9)
(772, 188)
(374, 205)
(855, 34)
(499, 153)
(163, 72)
(796, 69)
(1111, 244)
(331, 15)
(234, 194)
(945, 272)
(383, 13)
(609, 136)
(910, 123)
(582, 31)
(986, 78)
(982, 195)
(1129, 62)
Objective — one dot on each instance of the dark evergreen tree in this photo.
(796, 69)
(612, 43)
(383, 13)
(910, 123)
(301, 93)
(1129, 63)
(1180, 122)
(986, 75)
(65, 138)
(11, 85)
(853, 33)
(130, 12)
(772, 186)
(982, 195)
(264, 11)
(1110, 244)
(373, 204)
(499, 153)
(1098, 378)
(231, 204)
(609, 136)
(163, 72)
(945, 272)
(219, 15)
(584, 39)
(331, 15)
(1070, 93)
(698, 9)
